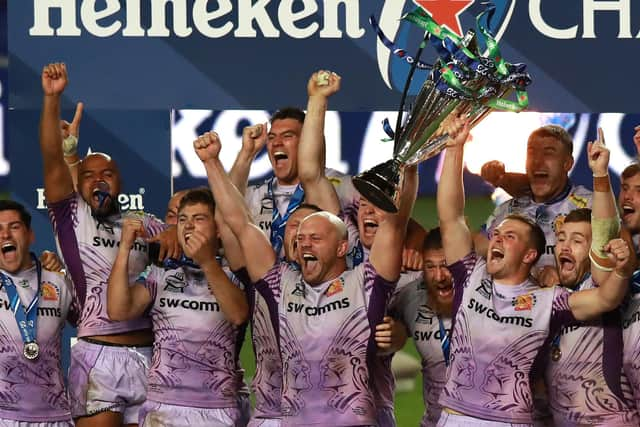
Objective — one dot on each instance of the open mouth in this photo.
(309, 259)
(187, 236)
(496, 254)
(566, 262)
(370, 226)
(628, 210)
(8, 247)
(445, 291)
(280, 155)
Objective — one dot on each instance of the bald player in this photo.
(502, 318)
(326, 313)
(107, 375)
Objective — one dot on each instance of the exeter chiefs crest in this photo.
(457, 15)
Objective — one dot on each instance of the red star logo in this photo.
(446, 12)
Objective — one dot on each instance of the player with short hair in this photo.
(197, 314)
(502, 318)
(34, 305)
(425, 307)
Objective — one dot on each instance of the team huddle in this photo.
(532, 321)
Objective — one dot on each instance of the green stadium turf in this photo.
(408, 405)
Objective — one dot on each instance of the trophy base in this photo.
(379, 185)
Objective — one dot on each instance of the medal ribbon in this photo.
(278, 222)
(357, 254)
(556, 340)
(445, 341)
(26, 316)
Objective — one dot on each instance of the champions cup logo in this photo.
(453, 14)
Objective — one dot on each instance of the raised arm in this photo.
(254, 139)
(605, 221)
(232, 249)
(311, 149)
(590, 303)
(515, 184)
(231, 298)
(456, 236)
(58, 183)
(256, 248)
(386, 250)
(70, 134)
(125, 301)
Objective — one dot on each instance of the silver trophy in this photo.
(452, 87)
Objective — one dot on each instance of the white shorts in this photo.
(453, 420)
(154, 414)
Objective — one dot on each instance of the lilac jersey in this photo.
(267, 381)
(412, 307)
(261, 204)
(195, 349)
(325, 335)
(33, 390)
(585, 383)
(383, 384)
(549, 216)
(498, 332)
(89, 247)
(631, 337)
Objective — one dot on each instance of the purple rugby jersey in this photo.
(586, 384)
(498, 333)
(195, 349)
(631, 338)
(411, 306)
(326, 343)
(382, 380)
(89, 248)
(267, 382)
(33, 390)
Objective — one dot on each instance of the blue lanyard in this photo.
(445, 342)
(278, 222)
(635, 282)
(357, 254)
(26, 316)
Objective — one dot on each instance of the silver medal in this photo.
(31, 350)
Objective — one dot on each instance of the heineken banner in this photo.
(258, 54)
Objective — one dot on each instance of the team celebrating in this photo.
(532, 321)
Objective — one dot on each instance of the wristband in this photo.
(595, 263)
(601, 183)
(619, 276)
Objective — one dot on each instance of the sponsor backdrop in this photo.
(225, 54)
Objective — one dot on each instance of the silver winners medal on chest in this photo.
(31, 350)
(556, 354)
